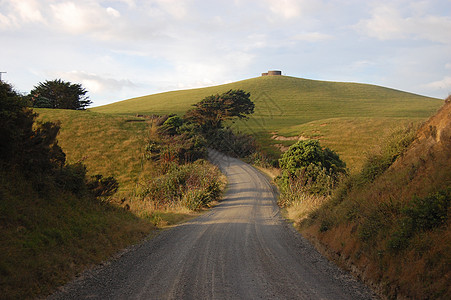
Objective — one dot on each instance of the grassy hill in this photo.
(283, 101)
(293, 106)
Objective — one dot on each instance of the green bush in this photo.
(394, 147)
(308, 168)
(421, 214)
(171, 125)
(72, 178)
(178, 148)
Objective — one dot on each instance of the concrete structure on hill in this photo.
(272, 73)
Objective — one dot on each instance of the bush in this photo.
(72, 178)
(171, 125)
(191, 185)
(178, 148)
(310, 169)
(233, 144)
(378, 162)
(100, 186)
(304, 154)
(421, 214)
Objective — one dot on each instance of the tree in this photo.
(212, 111)
(60, 94)
(24, 143)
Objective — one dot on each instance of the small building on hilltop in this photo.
(272, 73)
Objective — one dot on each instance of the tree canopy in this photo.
(60, 94)
(212, 111)
(24, 143)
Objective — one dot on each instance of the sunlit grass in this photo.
(351, 138)
(106, 144)
(357, 114)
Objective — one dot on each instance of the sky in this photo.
(119, 49)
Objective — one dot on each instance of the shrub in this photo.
(178, 148)
(192, 185)
(100, 186)
(421, 214)
(171, 125)
(310, 168)
(378, 162)
(231, 143)
(72, 178)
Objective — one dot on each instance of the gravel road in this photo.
(241, 249)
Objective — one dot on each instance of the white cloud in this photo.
(443, 84)
(285, 8)
(162, 44)
(74, 18)
(17, 13)
(29, 11)
(113, 12)
(96, 83)
(387, 23)
(312, 37)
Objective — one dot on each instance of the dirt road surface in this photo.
(241, 249)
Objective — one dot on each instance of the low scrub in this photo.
(193, 186)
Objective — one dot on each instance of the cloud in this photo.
(285, 8)
(443, 84)
(312, 37)
(20, 12)
(387, 23)
(76, 18)
(113, 12)
(28, 11)
(96, 83)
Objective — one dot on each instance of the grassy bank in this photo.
(390, 222)
(106, 144)
(49, 238)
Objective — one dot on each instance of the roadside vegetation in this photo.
(59, 215)
(390, 221)
(55, 219)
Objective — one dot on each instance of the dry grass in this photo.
(364, 225)
(303, 207)
(351, 138)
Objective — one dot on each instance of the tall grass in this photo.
(47, 238)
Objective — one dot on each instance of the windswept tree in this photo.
(214, 110)
(60, 94)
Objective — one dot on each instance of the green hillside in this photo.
(283, 101)
(293, 106)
